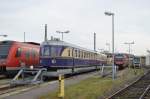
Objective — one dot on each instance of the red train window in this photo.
(18, 52)
(33, 53)
(27, 54)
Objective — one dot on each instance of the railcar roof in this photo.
(62, 43)
(11, 41)
(34, 43)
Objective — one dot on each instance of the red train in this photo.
(14, 53)
(121, 60)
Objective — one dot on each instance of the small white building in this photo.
(148, 59)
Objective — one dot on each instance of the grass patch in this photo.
(95, 87)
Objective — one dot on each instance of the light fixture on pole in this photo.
(129, 45)
(101, 50)
(4, 35)
(113, 65)
(108, 44)
(63, 33)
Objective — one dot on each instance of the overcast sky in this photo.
(82, 18)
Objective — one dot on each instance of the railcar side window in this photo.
(33, 53)
(53, 51)
(84, 54)
(75, 53)
(79, 53)
(69, 52)
(18, 53)
(27, 54)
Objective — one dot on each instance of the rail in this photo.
(141, 84)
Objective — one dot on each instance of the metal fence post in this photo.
(102, 71)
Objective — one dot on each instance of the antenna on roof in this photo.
(45, 32)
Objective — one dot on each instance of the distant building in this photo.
(109, 57)
(143, 60)
(148, 59)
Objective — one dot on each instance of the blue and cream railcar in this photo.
(55, 54)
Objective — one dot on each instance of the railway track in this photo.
(140, 89)
(146, 94)
(6, 88)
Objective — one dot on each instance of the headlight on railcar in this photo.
(31, 67)
(53, 61)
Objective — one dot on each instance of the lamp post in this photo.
(63, 33)
(113, 65)
(24, 36)
(129, 44)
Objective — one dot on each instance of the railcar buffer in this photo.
(28, 76)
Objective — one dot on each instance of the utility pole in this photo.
(113, 64)
(45, 39)
(94, 41)
(24, 36)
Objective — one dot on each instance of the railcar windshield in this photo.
(119, 56)
(4, 49)
(52, 51)
(136, 59)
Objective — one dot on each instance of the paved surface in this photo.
(44, 89)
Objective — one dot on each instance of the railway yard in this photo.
(103, 54)
(57, 69)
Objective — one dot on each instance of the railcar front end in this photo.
(53, 57)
